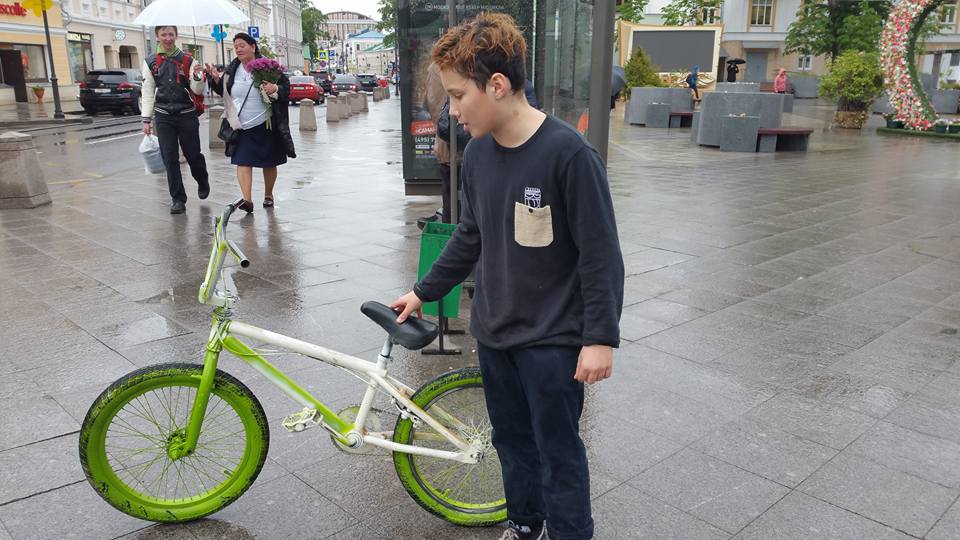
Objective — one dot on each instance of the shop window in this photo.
(32, 57)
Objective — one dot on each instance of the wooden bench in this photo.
(786, 138)
(681, 119)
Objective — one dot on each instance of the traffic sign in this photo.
(218, 33)
(254, 31)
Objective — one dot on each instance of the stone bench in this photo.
(784, 138)
(681, 119)
(737, 87)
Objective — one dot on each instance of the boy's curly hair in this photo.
(476, 49)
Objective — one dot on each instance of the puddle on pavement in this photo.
(164, 298)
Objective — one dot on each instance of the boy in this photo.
(549, 275)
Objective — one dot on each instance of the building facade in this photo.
(286, 31)
(356, 43)
(101, 34)
(755, 30)
(24, 58)
(376, 59)
(342, 24)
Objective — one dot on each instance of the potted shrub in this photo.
(641, 71)
(940, 126)
(854, 81)
(892, 121)
(38, 91)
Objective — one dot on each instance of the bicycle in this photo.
(176, 442)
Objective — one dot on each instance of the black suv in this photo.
(368, 82)
(116, 90)
(325, 80)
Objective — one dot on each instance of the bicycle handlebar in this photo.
(237, 254)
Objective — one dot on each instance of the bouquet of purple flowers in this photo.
(269, 70)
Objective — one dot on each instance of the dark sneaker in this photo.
(178, 207)
(203, 190)
(523, 532)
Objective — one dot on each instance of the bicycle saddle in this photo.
(413, 334)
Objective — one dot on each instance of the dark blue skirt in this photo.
(259, 147)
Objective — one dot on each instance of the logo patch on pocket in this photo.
(531, 197)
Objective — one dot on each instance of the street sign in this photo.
(254, 31)
(218, 33)
(322, 55)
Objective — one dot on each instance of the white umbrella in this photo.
(190, 13)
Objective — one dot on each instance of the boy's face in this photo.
(478, 110)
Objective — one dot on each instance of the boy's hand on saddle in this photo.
(407, 305)
(595, 364)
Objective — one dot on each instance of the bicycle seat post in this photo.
(385, 352)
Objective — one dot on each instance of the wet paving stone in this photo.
(789, 366)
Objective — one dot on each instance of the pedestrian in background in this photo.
(780, 82)
(692, 79)
(171, 79)
(245, 111)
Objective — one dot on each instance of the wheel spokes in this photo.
(138, 440)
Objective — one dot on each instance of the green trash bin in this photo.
(434, 238)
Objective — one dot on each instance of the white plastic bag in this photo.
(150, 151)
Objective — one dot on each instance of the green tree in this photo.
(388, 22)
(312, 19)
(264, 45)
(830, 27)
(854, 81)
(641, 71)
(632, 10)
(688, 12)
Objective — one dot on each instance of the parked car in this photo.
(305, 87)
(116, 90)
(368, 82)
(346, 83)
(325, 80)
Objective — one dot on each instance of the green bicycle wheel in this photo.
(126, 435)
(461, 493)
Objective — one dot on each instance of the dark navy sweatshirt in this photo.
(538, 223)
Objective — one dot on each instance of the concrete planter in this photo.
(766, 106)
(680, 99)
(738, 87)
(805, 87)
(944, 101)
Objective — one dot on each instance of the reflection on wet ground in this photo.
(790, 324)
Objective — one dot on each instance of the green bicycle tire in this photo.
(410, 468)
(135, 391)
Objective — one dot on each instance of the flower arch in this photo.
(898, 53)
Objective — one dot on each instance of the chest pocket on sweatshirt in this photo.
(532, 227)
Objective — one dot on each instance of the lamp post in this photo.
(57, 111)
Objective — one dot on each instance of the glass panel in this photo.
(566, 57)
(108, 77)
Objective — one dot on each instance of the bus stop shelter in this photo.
(569, 62)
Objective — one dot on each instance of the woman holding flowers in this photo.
(256, 95)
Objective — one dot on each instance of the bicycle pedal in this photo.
(299, 421)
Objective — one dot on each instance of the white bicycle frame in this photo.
(351, 434)
(375, 373)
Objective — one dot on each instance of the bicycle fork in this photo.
(187, 442)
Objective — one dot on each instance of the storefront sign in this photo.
(15, 9)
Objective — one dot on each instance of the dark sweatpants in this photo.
(181, 130)
(535, 406)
